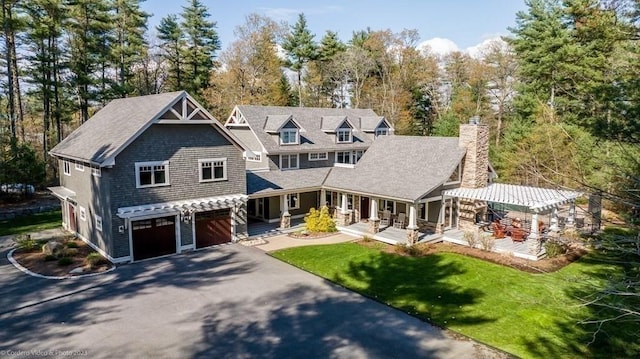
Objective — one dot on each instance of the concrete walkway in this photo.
(284, 241)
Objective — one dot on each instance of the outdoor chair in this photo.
(518, 235)
(386, 218)
(498, 230)
(399, 221)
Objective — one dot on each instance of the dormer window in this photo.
(343, 135)
(382, 131)
(289, 136)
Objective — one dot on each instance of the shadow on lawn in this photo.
(594, 333)
(429, 294)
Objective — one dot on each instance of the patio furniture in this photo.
(386, 218)
(498, 229)
(399, 221)
(518, 235)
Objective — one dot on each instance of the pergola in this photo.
(535, 199)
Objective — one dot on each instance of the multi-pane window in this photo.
(79, 166)
(343, 135)
(99, 223)
(213, 169)
(293, 200)
(152, 174)
(318, 156)
(349, 157)
(96, 171)
(382, 131)
(289, 136)
(253, 156)
(83, 213)
(66, 168)
(288, 162)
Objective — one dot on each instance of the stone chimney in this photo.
(475, 138)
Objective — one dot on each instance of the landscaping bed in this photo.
(72, 254)
(311, 235)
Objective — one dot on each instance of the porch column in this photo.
(374, 221)
(554, 220)
(234, 223)
(285, 221)
(533, 241)
(412, 228)
(344, 209)
(571, 219)
(323, 198)
(440, 224)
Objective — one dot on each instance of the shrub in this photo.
(50, 257)
(554, 249)
(412, 251)
(471, 238)
(25, 242)
(94, 260)
(69, 252)
(320, 221)
(64, 261)
(487, 242)
(366, 239)
(72, 244)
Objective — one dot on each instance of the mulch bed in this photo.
(34, 260)
(311, 235)
(545, 265)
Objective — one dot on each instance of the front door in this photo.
(364, 207)
(72, 218)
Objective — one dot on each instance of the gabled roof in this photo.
(275, 123)
(121, 121)
(274, 182)
(369, 124)
(400, 167)
(332, 123)
(312, 138)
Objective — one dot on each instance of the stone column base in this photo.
(346, 219)
(412, 236)
(374, 226)
(285, 221)
(439, 228)
(534, 245)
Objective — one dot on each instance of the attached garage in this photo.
(213, 227)
(153, 237)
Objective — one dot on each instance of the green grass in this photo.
(529, 315)
(32, 223)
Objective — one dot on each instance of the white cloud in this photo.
(438, 46)
(477, 51)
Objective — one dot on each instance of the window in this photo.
(349, 201)
(83, 213)
(96, 171)
(289, 136)
(349, 157)
(152, 174)
(213, 169)
(293, 201)
(318, 156)
(141, 224)
(99, 223)
(66, 168)
(343, 135)
(387, 205)
(288, 162)
(382, 131)
(79, 166)
(253, 156)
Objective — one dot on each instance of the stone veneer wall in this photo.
(475, 138)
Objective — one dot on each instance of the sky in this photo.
(443, 24)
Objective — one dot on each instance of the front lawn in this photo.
(529, 315)
(32, 223)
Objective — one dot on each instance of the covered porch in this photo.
(389, 234)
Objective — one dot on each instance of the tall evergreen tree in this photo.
(202, 43)
(172, 43)
(130, 46)
(10, 26)
(323, 80)
(300, 48)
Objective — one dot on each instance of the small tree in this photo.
(320, 221)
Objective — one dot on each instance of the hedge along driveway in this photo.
(529, 315)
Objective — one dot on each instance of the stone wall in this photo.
(475, 138)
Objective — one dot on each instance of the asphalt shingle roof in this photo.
(312, 138)
(106, 132)
(274, 181)
(403, 167)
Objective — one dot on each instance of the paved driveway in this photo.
(226, 302)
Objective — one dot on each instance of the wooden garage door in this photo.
(153, 237)
(213, 227)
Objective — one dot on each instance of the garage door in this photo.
(213, 227)
(153, 237)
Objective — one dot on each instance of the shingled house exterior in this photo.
(151, 176)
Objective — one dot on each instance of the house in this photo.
(150, 176)
(293, 149)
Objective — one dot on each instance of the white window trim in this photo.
(257, 156)
(224, 169)
(66, 168)
(79, 166)
(154, 163)
(297, 206)
(322, 156)
(297, 136)
(83, 213)
(290, 168)
(98, 220)
(379, 129)
(344, 130)
(96, 171)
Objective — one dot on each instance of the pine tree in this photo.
(172, 42)
(130, 46)
(10, 26)
(202, 43)
(323, 80)
(300, 49)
